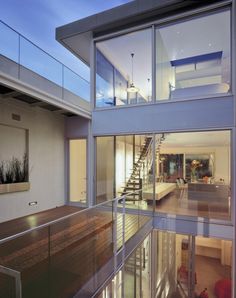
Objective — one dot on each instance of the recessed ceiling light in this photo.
(210, 44)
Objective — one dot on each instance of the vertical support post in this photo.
(114, 171)
(191, 266)
(115, 236)
(123, 231)
(91, 167)
(140, 270)
(91, 141)
(153, 263)
(17, 277)
(135, 273)
(153, 64)
(154, 172)
(18, 286)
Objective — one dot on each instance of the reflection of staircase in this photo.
(134, 182)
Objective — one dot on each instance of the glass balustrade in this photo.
(19, 55)
(73, 254)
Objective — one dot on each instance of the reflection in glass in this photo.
(193, 174)
(193, 57)
(40, 62)
(186, 266)
(105, 168)
(9, 45)
(75, 84)
(116, 72)
(125, 166)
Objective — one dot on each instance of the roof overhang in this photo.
(77, 36)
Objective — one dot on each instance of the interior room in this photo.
(193, 174)
(191, 170)
(212, 260)
(187, 263)
(192, 61)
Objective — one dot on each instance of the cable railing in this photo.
(68, 255)
(16, 49)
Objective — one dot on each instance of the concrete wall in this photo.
(46, 160)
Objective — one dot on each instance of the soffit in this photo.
(77, 36)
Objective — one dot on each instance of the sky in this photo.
(37, 20)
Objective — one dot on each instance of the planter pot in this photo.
(14, 187)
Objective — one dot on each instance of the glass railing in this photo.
(72, 255)
(16, 48)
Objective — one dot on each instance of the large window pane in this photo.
(125, 168)
(123, 62)
(193, 58)
(193, 174)
(188, 266)
(105, 169)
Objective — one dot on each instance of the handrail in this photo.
(43, 51)
(63, 218)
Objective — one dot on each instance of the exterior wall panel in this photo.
(211, 113)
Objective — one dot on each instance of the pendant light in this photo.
(132, 88)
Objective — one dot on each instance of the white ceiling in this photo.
(199, 36)
(186, 39)
(196, 139)
(118, 51)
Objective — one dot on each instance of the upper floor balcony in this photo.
(26, 67)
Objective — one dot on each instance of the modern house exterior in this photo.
(158, 135)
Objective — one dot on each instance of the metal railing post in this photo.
(123, 230)
(115, 235)
(17, 276)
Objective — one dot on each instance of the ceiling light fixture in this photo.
(132, 88)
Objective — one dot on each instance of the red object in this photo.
(223, 288)
(204, 294)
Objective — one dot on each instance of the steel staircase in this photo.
(135, 181)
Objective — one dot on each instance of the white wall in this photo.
(221, 154)
(46, 160)
(78, 170)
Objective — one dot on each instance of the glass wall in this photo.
(105, 169)
(193, 60)
(134, 278)
(124, 70)
(193, 57)
(188, 266)
(125, 167)
(78, 170)
(193, 174)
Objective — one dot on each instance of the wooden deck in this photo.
(15, 226)
(78, 248)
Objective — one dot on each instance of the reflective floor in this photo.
(177, 202)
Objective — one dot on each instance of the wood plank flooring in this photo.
(78, 248)
(21, 224)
